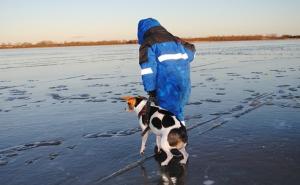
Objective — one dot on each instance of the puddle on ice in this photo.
(208, 182)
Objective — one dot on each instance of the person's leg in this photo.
(158, 143)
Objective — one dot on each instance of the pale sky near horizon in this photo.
(91, 20)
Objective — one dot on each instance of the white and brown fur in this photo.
(170, 132)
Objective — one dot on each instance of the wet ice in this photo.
(82, 105)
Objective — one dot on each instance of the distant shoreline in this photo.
(46, 44)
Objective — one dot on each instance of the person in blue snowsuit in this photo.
(165, 66)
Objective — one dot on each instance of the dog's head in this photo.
(133, 101)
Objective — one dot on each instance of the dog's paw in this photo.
(165, 163)
(142, 150)
(159, 150)
(183, 161)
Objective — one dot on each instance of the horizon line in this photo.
(186, 38)
(49, 43)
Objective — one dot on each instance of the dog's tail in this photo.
(178, 137)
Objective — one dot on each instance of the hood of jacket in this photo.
(143, 26)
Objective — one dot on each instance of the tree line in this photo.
(119, 42)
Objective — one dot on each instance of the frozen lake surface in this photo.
(62, 120)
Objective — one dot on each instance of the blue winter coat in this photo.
(165, 65)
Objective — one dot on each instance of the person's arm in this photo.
(189, 49)
(148, 69)
(191, 53)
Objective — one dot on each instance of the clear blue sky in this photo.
(69, 20)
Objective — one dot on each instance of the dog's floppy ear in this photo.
(126, 98)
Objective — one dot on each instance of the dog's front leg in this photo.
(158, 143)
(144, 140)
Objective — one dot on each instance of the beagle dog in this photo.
(170, 132)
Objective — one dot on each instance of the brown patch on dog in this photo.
(130, 102)
(180, 145)
(173, 139)
(177, 137)
(126, 98)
